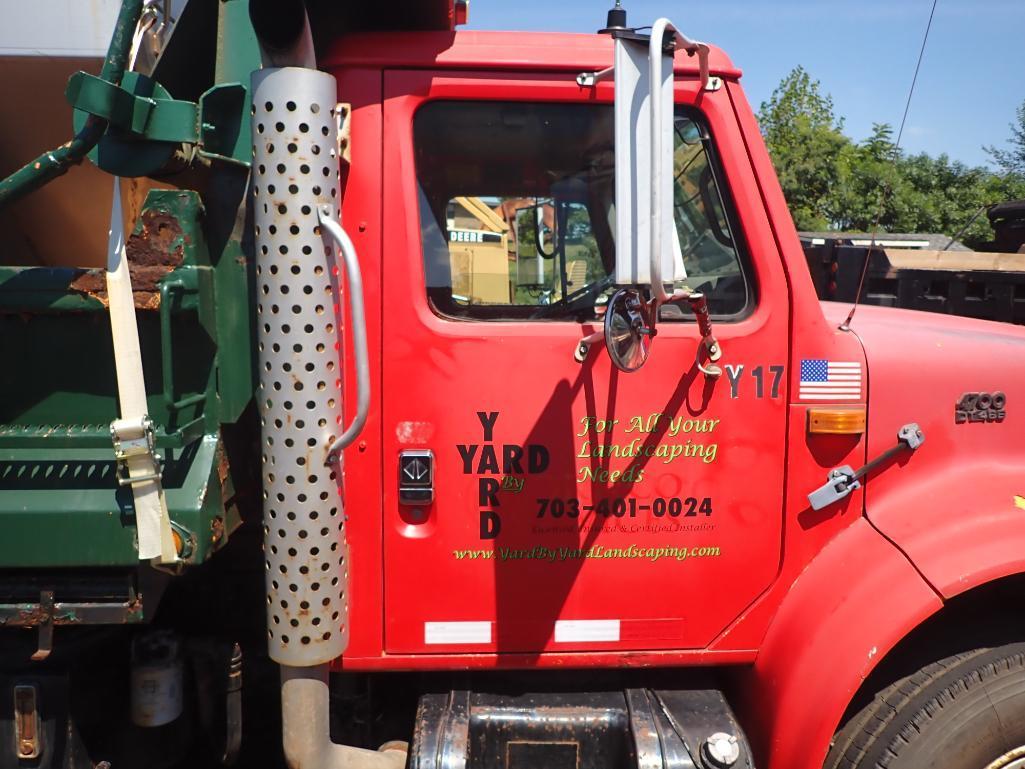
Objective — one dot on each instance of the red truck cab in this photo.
(495, 357)
(584, 517)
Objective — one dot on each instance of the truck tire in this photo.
(964, 712)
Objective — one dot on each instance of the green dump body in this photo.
(60, 501)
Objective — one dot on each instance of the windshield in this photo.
(517, 211)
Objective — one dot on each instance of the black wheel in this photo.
(963, 712)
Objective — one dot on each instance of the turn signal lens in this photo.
(836, 421)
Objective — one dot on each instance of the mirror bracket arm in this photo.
(713, 352)
(709, 345)
(584, 345)
(708, 348)
(591, 79)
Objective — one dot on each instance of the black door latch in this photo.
(416, 477)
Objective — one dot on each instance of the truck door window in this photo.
(517, 211)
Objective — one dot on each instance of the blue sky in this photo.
(863, 52)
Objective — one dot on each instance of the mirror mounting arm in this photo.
(584, 345)
(709, 345)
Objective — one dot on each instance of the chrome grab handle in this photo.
(334, 232)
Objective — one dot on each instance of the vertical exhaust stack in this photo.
(294, 176)
(283, 29)
(295, 170)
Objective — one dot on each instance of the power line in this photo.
(896, 153)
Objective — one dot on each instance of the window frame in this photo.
(499, 313)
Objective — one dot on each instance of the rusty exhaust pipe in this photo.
(283, 31)
(295, 181)
(305, 728)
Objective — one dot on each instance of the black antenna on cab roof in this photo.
(616, 19)
(846, 325)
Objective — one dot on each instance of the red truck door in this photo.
(574, 507)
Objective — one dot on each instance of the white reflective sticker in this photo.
(570, 630)
(457, 632)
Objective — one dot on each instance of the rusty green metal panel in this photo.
(65, 436)
(193, 287)
(63, 508)
(70, 356)
(60, 505)
(32, 289)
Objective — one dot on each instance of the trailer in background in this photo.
(927, 271)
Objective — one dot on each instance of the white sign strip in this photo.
(576, 630)
(830, 397)
(457, 632)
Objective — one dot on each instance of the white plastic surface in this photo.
(633, 92)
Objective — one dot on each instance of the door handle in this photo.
(416, 477)
(334, 232)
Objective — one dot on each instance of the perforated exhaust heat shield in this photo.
(295, 170)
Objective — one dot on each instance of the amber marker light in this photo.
(179, 543)
(836, 421)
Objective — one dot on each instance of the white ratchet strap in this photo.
(133, 432)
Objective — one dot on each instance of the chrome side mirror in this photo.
(628, 330)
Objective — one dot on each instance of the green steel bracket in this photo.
(224, 124)
(111, 102)
(67, 436)
(146, 125)
(139, 106)
(182, 282)
(63, 508)
(52, 164)
(130, 126)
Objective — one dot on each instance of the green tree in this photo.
(869, 186)
(895, 192)
(1012, 160)
(832, 182)
(807, 146)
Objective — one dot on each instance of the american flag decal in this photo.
(830, 380)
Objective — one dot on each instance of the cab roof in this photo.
(465, 49)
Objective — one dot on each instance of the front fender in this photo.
(950, 506)
(855, 600)
(961, 526)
